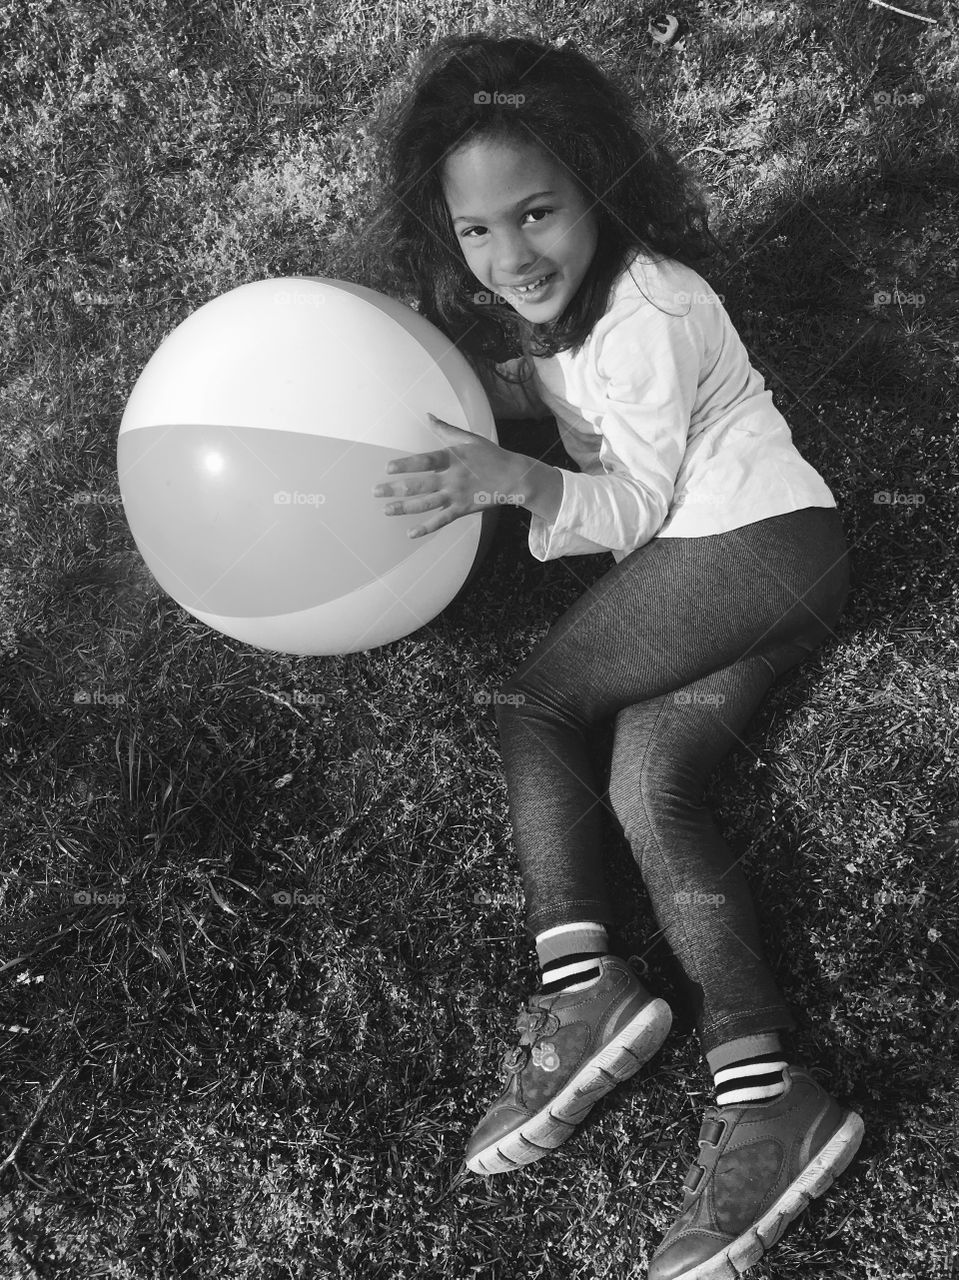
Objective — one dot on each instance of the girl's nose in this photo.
(513, 259)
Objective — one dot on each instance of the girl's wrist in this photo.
(535, 485)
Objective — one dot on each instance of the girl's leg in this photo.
(663, 754)
(673, 612)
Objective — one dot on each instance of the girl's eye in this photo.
(525, 215)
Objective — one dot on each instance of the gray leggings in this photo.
(680, 642)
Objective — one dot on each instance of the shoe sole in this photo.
(632, 1046)
(815, 1179)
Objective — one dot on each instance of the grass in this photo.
(200, 1081)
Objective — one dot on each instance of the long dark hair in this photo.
(644, 197)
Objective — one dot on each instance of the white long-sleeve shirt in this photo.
(670, 425)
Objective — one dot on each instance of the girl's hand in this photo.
(466, 475)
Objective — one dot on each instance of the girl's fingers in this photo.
(412, 506)
(404, 488)
(435, 461)
(418, 530)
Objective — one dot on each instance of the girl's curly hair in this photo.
(644, 197)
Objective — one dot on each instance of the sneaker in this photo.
(575, 1047)
(759, 1166)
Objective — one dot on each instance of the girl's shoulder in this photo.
(659, 281)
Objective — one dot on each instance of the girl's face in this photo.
(518, 215)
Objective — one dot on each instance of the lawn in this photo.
(201, 1080)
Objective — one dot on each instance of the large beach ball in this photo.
(249, 449)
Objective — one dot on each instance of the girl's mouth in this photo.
(535, 291)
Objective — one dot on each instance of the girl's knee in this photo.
(653, 800)
(540, 700)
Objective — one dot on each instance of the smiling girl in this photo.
(549, 235)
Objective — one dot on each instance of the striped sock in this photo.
(748, 1070)
(568, 955)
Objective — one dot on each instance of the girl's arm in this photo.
(536, 485)
(647, 370)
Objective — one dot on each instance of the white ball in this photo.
(249, 449)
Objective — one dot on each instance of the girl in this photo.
(549, 236)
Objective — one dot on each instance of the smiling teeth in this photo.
(530, 287)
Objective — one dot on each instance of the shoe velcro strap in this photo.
(534, 1023)
(711, 1132)
(528, 1022)
(514, 1059)
(693, 1178)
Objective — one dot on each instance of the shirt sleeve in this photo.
(648, 364)
(513, 400)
